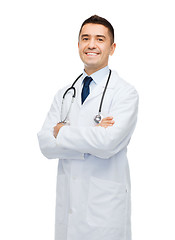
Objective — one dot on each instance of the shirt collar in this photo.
(97, 76)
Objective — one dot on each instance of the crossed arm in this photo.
(106, 122)
(72, 142)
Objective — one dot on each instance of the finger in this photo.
(108, 118)
(108, 121)
(106, 125)
(110, 124)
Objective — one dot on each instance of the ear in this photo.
(113, 46)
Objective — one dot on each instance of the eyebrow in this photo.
(101, 36)
(87, 35)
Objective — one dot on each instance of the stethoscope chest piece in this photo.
(98, 118)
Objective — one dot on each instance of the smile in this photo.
(92, 54)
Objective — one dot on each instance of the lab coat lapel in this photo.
(78, 90)
(99, 89)
(96, 91)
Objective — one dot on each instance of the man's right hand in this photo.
(106, 122)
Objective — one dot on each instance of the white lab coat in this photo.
(93, 181)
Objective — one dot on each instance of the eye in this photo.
(100, 39)
(85, 39)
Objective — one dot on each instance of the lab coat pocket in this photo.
(106, 204)
(61, 199)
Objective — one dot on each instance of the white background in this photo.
(38, 55)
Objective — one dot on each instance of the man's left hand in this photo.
(57, 129)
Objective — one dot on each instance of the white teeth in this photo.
(93, 54)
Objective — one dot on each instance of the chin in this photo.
(91, 64)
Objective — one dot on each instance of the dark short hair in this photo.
(95, 19)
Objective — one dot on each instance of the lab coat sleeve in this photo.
(104, 142)
(47, 141)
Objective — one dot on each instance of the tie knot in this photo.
(87, 81)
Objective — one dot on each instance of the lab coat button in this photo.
(74, 178)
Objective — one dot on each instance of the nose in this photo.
(92, 44)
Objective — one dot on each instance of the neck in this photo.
(90, 71)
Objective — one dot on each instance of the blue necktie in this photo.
(85, 90)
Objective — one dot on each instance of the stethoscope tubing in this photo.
(74, 95)
(99, 111)
(72, 87)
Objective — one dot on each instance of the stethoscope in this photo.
(98, 117)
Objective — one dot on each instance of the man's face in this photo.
(95, 47)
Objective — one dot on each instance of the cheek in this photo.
(81, 54)
(105, 52)
(82, 46)
(80, 50)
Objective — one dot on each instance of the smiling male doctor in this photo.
(93, 182)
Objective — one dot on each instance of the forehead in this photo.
(94, 29)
